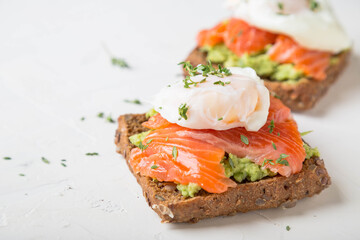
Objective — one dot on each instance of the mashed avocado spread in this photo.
(239, 168)
(260, 62)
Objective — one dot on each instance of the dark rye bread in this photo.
(270, 192)
(298, 96)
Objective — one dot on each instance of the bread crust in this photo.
(270, 192)
(298, 96)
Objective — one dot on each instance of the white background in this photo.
(54, 69)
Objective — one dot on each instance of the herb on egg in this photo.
(174, 152)
(63, 164)
(21, 175)
(45, 160)
(244, 139)
(119, 62)
(314, 5)
(183, 110)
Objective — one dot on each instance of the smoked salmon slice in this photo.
(241, 38)
(183, 155)
(237, 35)
(313, 63)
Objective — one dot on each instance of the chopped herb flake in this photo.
(266, 161)
(142, 146)
(92, 154)
(183, 110)
(306, 133)
(219, 119)
(288, 228)
(175, 152)
(271, 126)
(231, 163)
(154, 167)
(135, 101)
(280, 6)
(45, 160)
(167, 138)
(7, 158)
(110, 119)
(63, 164)
(119, 62)
(63, 160)
(314, 5)
(82, 119)
(21, 174)
(281, 159)
(100, 115)
(244, 139)
(274, 146)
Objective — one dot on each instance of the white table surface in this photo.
(54, 69)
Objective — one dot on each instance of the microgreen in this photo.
(135, 101)
(92, 154)
(45, 160)
(271, 126)
(183, 110)
(281, 159)
(266, 161)
(306, 133)
(244, 139)
(274, 146)
(119, 62)
(174, 152)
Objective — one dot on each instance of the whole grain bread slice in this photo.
(298, 96)
(171, 206)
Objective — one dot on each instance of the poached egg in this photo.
(311, 23)
(219, 103)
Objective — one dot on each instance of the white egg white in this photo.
(316, 29)
(243, 101)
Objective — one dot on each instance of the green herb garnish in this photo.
(167, 138)
(154, 167)
(7, 158)
(183, 110)
(63, 160)
(281, 159)
(270, 161)
(306, 133)
(204, 70)
(135, 101)
(92, 154)
(45, 160)
(271, 126)
(100, 115)
(219, 119)
(63, 164)
(142, 146)
(82, 119)
(314, 5)
(110, 119)
(288, 228)
(231, 163)
(21, 174)
(174, 152)
(280, 6)
(274, 146)
(244, 139)
(119, 62)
